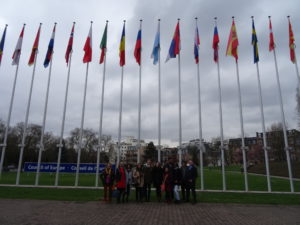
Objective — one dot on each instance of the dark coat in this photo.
(157, 176)
(107, 177)
(191, 174)
(147, 175)
(177, 176)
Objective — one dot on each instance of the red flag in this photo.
(138, 47)
(233, 42)
(70, 45)
(272, 43)
(88, 48)
(35, 47)
(291, 43)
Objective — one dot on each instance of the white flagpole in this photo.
(221, 123)
(120, 115)
(82, 123)
(101, 116)
(41, 145)
(242, 125)
(8, 119)
(140, 104)
(179, 107)
(263, 126)
(81, 126)
(286, 148)
(200, 120)
(242, 129)
(22, 145)
(60, 145)
(159, 101)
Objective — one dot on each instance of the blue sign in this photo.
(64, 167)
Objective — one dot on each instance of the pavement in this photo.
(44, 212)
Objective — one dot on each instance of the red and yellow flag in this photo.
(35, 47)
(291, 43)
(122, 48)
(233, 42)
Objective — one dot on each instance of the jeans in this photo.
(190, 188)
(138, 194)
(147, 191)
(121, 195)
(127, 192)
(176, 192)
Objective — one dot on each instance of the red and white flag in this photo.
(271, 43)
(88, 48)
(17, 52)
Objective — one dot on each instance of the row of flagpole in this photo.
(173, 52)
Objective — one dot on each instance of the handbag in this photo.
(115, 193)
(163, 187)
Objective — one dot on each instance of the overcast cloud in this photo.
(32, 12)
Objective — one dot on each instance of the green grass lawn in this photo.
(212, 180)
(84, 195)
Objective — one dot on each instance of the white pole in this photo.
(120, 113)
(120, 118)
(263, 129)
(140, 104)
(41, 145)
(22, 145)
(242, 128)
(287, 148)
(159, 101)
(60, 145)
(8, 120)
(179, 107)
(200, 120)
(81, 126)
(101, 117)
(297, 70)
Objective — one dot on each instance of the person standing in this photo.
(121, 182)
(183, 181)
(138, 176)
(168, 185)
(128, 172)
(107, 177)
(177, 182)
(191, 175)
(157, 178)
(147, 180)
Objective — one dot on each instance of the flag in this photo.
(2, 43)
(196, 45)
(138, 47)
(103, 45)
(50, 49)
(271, 43)
(88, 47)
(17, 52)
(175, 44)
(233, 42)
(35, 47)
(254, 43)
(156, 46)
(291, 43)
(122, 47)
(70, 45)
(215, 44)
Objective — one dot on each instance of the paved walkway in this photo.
(42, 212)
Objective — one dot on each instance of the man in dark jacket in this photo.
(147, 180)
(157, 178)
(183, 180)
(191, 175)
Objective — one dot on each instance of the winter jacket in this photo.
(157, 176)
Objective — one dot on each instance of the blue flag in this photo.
(254, 43)
(50, 49)
(156, 46)
(2, 44)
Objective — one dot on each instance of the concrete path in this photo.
(43, 212)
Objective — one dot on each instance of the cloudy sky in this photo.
(32, 12)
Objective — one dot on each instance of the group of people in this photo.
(178, 183)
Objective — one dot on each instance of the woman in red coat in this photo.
(121, 182)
